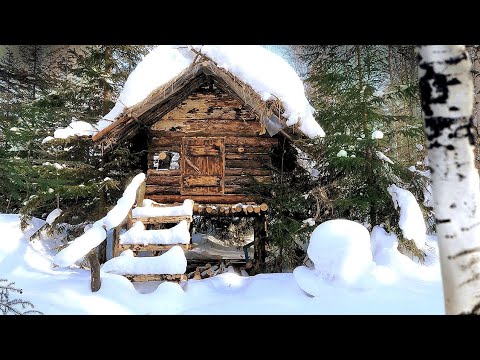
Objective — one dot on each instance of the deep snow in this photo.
(403, 287)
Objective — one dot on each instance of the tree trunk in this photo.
(107, 91)
(260, 237)
(447, 98)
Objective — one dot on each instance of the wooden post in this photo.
(259, 236)
(116, 241)
(102, 252)
(129, 220)
(141, 193)
(95, 281)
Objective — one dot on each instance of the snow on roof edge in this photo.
(270, 75)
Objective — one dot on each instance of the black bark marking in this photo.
(460, 177)
(463, 253)
(453, 206)
(471, 262)
(442, 221)
(453, 108)
(453, 81)
(436, 125)
(475, 310)
(468, 131)
(455, 60)
(470, 228)
(440, 84)
(475, 277)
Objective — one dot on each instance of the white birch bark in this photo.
(447, 103)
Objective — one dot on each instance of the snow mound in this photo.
(267, 73)
(186, 209)
(137, 234)
(342, 153)
(340, 250)
(172, 262)
(411, 218)
(377, 135)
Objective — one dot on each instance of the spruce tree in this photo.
(361, 107)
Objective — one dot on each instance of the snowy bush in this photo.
(340, 251)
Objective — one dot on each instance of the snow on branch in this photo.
(94, 236)
(411, 218)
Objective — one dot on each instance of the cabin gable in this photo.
(208, 148)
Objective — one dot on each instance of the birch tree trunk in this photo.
(446, 88)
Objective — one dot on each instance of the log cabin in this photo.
(208, 135)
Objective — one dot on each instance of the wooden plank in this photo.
(247, 164)
(202, 199)
(163, 180)
(154, 148)
(235, 189)
(229, 171)
(196, 123)
(152, 172)
(152, 247)
(163, 219)
(207, 128)
(246, 180)
(156, 277)
(251, 141)
(239, 149)
(255, 141)
(246, 156)
(204, 190)
(205, 180)
(210, 103)
(167, 189)
(199, 150)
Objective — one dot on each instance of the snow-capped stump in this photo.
(340, 251)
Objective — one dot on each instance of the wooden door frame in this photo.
(183, 162)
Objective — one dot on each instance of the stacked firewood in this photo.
(209, 270)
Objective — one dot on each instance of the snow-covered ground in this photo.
(396, 285)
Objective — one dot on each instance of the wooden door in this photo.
(203, 166)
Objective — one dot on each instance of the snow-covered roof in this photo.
(271, 80)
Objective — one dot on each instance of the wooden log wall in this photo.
(210, 112)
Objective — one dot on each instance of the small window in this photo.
(166, 160)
